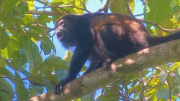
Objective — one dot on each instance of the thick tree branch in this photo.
(150, 57)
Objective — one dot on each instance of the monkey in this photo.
(102, 38)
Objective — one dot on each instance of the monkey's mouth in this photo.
(59, 35)
(60, 31)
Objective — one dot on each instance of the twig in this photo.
(104, 8)
(84, 6)
(102, 92)
(155, 24)
(142, 83)
(39, 23)
(169, 86)
(144, 2)
(45, 3)
(129, 9)
(7, 92)
(139, 14)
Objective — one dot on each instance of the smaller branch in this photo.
(139, 14)
(47, 32)
(129, 9)
(7, 92)
(12, 78)
(177, 11)
(84, 9)
(142, 83)
(144, 2)
(56, 11)
(44, 12)
(84, 6)
(50, 29)
(169, 86)
(92, 96)
(102, 92)
(104, 8)
(124, 97)
(45, 3)
(3, 59)
(107, 97)
(155, 24)
(39, 23)
(112, 3)
(52, 35)
(151, 77)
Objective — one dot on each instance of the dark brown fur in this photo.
(102, 38)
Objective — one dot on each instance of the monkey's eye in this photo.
(61, 23)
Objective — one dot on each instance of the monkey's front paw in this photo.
(106, 66)
(59, 87)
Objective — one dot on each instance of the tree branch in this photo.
(104, 8)
(44, 12)
(149, 57)
(163, 29)
(129, 9)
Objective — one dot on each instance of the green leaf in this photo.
(48, 85)
(30, 4)
(86, 97)
(5, 72)
(6, 91)
(55, 61)
(21, 91)
(3, 54)
(67, 56)
(163, 93)
(120, 6)
(6, 6)
(16, 23)
(31, 50)
(33, 92)
(47, 45)
(77, 3)
(13, 47)
(4, 39)
(175, 66)
(34, 34)
(163, 76)
(159, 9)
(176, 90)
(23, 9)
(43, 19)
(36, 80)
(33, 26)
(61, 74)
(111, 96)
(46, 69)
(25, 72)
(39, 89)
(27, 19)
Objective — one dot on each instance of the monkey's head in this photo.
(65, 30)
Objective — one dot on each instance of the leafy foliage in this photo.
(27, 52)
